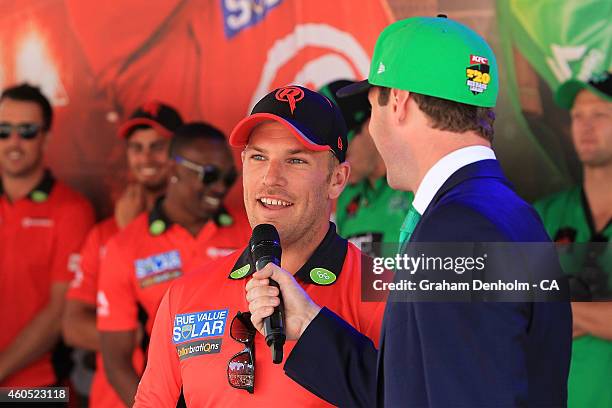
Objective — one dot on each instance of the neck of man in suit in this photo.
(408, 143)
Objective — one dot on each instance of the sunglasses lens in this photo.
(241, 371)
(211, 174)
(25, 131)
(242, 329)
(28, 131)
(5, 130)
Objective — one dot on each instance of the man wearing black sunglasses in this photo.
(186, 228)
(146, 134)
(42, 226)
(294, 167)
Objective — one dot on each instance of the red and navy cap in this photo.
(161, 117)
(311, 117)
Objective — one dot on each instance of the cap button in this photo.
(442, 16)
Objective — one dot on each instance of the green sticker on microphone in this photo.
(322, 276)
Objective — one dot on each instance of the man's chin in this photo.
(153, 185)
(17, 171)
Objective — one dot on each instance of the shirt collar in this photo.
(159, 222)
(443, 169)
(40, 193)
(328, 257)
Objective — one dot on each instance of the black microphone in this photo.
(265, 248)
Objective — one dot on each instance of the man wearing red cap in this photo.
(147, 136)
(203, 342)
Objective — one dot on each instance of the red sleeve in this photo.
(160, 385)
(370, 313)
(84, 285)
(72, 227)
(116, 299)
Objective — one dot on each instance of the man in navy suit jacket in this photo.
(432, 86)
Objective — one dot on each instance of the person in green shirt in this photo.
(368, 211)
(583, 214)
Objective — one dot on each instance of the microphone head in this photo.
(265, 241)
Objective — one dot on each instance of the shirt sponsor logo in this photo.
(74, 266)
(213, 252)
(159, 278)
(240, 14)
(158, 268)
(157, 263)
(102, 304)
(28, 222)
(198, 348)
(199, 325)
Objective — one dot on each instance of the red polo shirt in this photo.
(40, 237)
(84, 288)
(143, 259)
(191, 344)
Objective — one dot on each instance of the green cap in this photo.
(355, 109)
(433, 56)
(600, 84)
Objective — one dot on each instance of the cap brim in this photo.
(566, 93)
(242, 131)
(127, 126)
(353, 89)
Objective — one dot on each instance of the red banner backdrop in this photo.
(212, 59)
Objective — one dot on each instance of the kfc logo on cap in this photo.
(475, 59)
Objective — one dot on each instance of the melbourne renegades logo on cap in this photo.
(291, 95)
(152, 108)
(477, 73)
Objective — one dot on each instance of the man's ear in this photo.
(339, 178)
(242, 156)
(46, 135)
(399, 102)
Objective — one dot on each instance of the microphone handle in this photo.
(274, 325)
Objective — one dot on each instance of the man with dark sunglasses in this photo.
(42, 226)
(146, 133)
(187, 227)
(203, 341)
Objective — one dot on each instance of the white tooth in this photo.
(212, 200)
(274, 202)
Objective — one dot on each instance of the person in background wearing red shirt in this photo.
(42, 226)
(203, 342)
(186, 228)
(147, 135)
